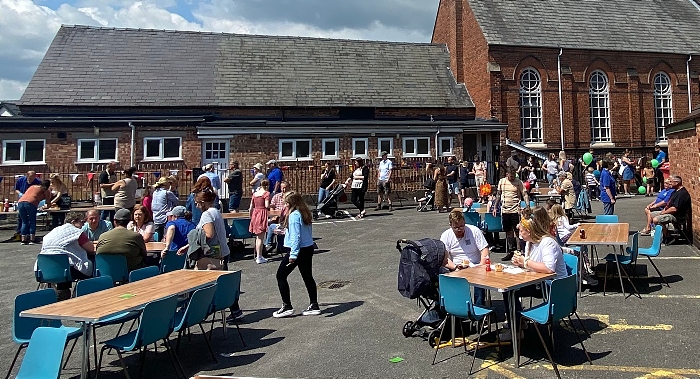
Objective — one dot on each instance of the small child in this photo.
(649, 174)
(593, 184)
(468, 202)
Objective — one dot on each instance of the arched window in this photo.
(599, 92)
(530, 106)
(663, 104)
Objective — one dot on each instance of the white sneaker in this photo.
(260, 260)
(589, 282)
(285, 311)
(312, 310)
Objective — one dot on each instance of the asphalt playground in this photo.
(359, 332)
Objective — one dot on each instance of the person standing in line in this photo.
(259, 206)
(509, 193)
(384, 181)
(107, 178)
(608, 188)
(258, 176)
(480, 177)
(125, 191)
(27, 207)
(213, 177)
(327, 181)
(299, 240)
(452, 176)
(275, 176)
(235, 187)
(21, 186)
(163, 202)
(441, 193)
(358, 183)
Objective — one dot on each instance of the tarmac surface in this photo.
(360, 328)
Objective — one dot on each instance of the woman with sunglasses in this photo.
(542, 254)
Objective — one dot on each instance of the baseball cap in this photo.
(178, 211)
(271, 161)
(259, 166)
(123, 215)
(383, 153)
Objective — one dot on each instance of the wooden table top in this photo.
(601, 234)
(500, 281)
(481, 210)
(155, 247)
(543, 191)
(127, 297)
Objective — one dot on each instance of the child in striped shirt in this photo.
(592, 183)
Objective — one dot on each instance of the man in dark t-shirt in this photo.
(235, 187)
(676, 210)
(452, 175)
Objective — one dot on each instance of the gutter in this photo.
(561, 106)
(687, 77)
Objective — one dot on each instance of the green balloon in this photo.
(587, 158)
(642, 190)
(654, 163)
(644, 180)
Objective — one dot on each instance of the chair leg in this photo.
(69, 353)
(583, 326)
(544, 345)
(239, 332)
(98, 364)
(171, 355)
(631, 282)
(223, 321)
(498, 338)
(579, 340)
(605, 278)
(169, 347)
(476, 348)
(658, 272)
(208, 344)
(437, 343)
(121, 361)
(21, 346)
(142, 360)
(94, 344)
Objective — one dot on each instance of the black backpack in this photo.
(419, 267)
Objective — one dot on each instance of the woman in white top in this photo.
(542, 254)
(258, 176)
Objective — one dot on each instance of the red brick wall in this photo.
(683, 156)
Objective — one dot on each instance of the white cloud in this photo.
(11, 89)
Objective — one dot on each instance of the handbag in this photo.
(429, 183)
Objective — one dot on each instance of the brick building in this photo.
(598, 70)
(172, 100)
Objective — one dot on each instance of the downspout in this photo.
(437, 133)
(133, 141)
(687, 77)
(561, 105)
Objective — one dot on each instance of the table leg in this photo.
(579, 263)
(86, 348)
(619, 273)
(452, 329)
(514, 327)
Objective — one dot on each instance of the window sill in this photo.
(4, 164)
(330, 158)
(152, 160)
(296, 159)
(602, 144)
(105, 161)
(447, 155)
(417, 156)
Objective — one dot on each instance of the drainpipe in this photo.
(687, 76)
(437, 133)
(133, 141)
(561, 105)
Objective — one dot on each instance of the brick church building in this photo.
(609, 74)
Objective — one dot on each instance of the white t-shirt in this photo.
(548, 252)
(384, 167)
(466, 249)
(552, 167)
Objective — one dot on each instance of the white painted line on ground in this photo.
(670, 258)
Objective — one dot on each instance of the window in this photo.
(96, 150)
(215, 150)
(445, 146)
(600, 107)
(23, 151)
(416, 146)
(663, 104)
(531, 106)
(359, 147)
(385, 144)
(329, 148)
(162, 148)
(291, 149)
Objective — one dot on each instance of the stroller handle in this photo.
(405, 242)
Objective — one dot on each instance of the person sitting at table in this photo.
(121, 240)
(663, 197)
(71, 240)
(163, 202)
(60, 200)
(27, 207)
(176, 229)
(142, 223)
(466, 246)
(675, 211)
(542, 254)
(94, 227)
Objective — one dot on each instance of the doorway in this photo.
(216, 152)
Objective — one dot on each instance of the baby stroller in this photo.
(329, 205)
(427, 202)
(419, 267)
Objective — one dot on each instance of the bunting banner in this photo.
(73, 177)
(188, 172)
(174, 172)
(90, 176)
(139, 175)
(156, 174)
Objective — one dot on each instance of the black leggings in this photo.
(76, 275)
(305, 262)
(357, 196)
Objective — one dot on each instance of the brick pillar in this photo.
(635, 131)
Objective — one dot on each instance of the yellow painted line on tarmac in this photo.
(494, 366)
(621, 325)
(661, 374)
(638, 369)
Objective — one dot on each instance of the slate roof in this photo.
(662, 26)
(92, 66)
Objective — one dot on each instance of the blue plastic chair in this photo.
(561, 304)
(606, 219)
(628, 260)
(172, 262)
(112, 265)
(456, 300)
(52, 268)
(239, 229)
(143, 273)
(476, 205)
(654, 250)
(155, 324)
(196, 312)
(571, 262)
(44, 354)
(228, 290)
(494, 225)
(523, 204)
(472, 218)
(23, 327)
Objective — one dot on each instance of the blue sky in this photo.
(28, 26)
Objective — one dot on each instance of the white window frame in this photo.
(531, 105)
(452, 146)
(391, 146)
(22, 152)
(415, 144)
(599, 103)
(354, 146)
(96, 150)
(336, 141)
(663, 104)
(160, 153)
(294, 157)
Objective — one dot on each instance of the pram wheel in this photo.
(432, 337)
(408, 329)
